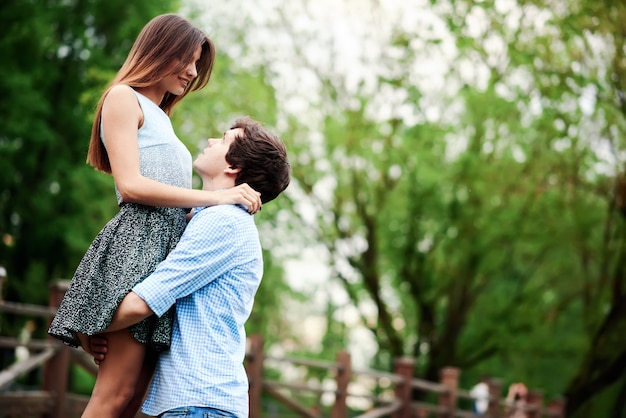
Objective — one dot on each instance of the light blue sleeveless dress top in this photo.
(162, 156)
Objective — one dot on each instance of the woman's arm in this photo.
(121, 119)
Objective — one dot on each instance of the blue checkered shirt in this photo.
(212, 275)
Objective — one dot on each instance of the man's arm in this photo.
(184, 270)
(205, 252)
(202, 254)
(132, 310)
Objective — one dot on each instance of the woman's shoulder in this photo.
(121, 97)
(121, 103)
(121, 92)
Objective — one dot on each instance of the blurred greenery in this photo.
(57, 61)
(486, 230)
(81, 380)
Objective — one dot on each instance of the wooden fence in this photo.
(391, 395)
(53, 400)
(340, 387)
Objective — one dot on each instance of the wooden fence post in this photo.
(56, 370)
(495, 392)
(422, 413)
(254, 369)
(404, 368)
(449, 377)
(535, 402)
(556, 408)
(3, 278)
(344, 374)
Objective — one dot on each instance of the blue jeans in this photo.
(196, 412)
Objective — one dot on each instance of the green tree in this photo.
(57, 58)
(477, 207)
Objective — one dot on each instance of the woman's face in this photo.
(177, 83)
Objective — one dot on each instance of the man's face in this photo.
(212, 161)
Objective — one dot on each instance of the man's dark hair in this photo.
(262, 157)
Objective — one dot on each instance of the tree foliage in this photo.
(57, 59)
(463, 168)
(467, 181)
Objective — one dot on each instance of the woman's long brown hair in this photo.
(165, 40)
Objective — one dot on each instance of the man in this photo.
(212, 276)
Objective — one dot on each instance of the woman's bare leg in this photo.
(118, 376)
(147, 371)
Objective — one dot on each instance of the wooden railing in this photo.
(397, 390)
(53, 400)
(385, 394)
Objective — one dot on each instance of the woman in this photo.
(132, 139)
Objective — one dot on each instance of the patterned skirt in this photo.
(125, 252)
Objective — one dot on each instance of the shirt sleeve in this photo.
(204, 252)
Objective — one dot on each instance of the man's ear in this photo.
(231, 170)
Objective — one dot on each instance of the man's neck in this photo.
(212, 185)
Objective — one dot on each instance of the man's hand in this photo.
(98, 347)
